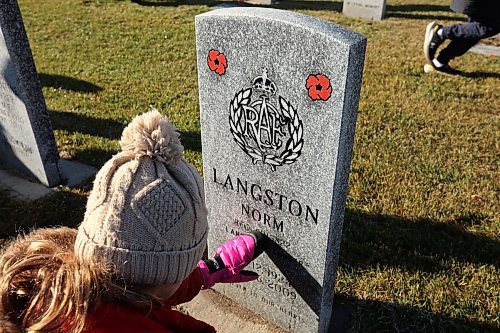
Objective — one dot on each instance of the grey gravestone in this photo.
(279, 93)
(261, 2)
(489, 46)
(26, 139)
(369, 9)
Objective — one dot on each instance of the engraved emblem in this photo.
(268, 133)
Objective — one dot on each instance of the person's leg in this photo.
(464, 36)
(456, 48)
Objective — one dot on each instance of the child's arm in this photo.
(188, 289)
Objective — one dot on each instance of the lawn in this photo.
(421, 243)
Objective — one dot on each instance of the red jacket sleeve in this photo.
(188, 289)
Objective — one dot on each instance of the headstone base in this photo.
(73, 174)
(228, 317)
(225, 315)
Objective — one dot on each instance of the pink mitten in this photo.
(230, 259)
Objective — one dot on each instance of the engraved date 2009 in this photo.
(274, 281)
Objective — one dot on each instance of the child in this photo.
(483, 22)
(136, 254)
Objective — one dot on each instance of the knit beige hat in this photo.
(146, 214)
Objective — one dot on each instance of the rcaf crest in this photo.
(269, 132)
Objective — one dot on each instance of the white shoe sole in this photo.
(427, 40)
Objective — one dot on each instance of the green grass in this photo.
(420, 250)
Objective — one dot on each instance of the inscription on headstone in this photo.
(26, 139)
(369, 9)
(279, 93)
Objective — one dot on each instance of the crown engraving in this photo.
(264, 84)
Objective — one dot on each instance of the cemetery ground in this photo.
(420, 249)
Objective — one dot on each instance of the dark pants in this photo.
(466, 35)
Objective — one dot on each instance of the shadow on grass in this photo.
(413, 11)
(418, 8)
(93, 156)
(61, 208)
(288, 4)
(67, 83)
(477, 75)
(355, 315)
(419, 245)
(74, 122)
(429, 17)
(108, 128)
(191, 140)
(174, 3)
(334, 6)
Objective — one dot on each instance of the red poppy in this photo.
(217, 62)
(319, 87)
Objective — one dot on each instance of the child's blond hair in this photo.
(45, 288)
(145, 224)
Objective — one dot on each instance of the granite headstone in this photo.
(369, 9)
(279, 94)
(26, 139)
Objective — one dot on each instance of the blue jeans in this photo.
(465, 35)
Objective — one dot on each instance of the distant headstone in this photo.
(26, 139)
(260, 2)
(279, 94)
(369, 9)
(489, 46)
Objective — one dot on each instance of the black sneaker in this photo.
(432, 40)
(446, 69)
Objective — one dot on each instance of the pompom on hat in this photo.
(146, 214)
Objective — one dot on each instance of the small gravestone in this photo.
(261, 2)
(369, 9)
(279, 93)
(27, 143)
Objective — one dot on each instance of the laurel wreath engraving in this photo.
(295, 127)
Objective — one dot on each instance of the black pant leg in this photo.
(456, 48)
(466, 35)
